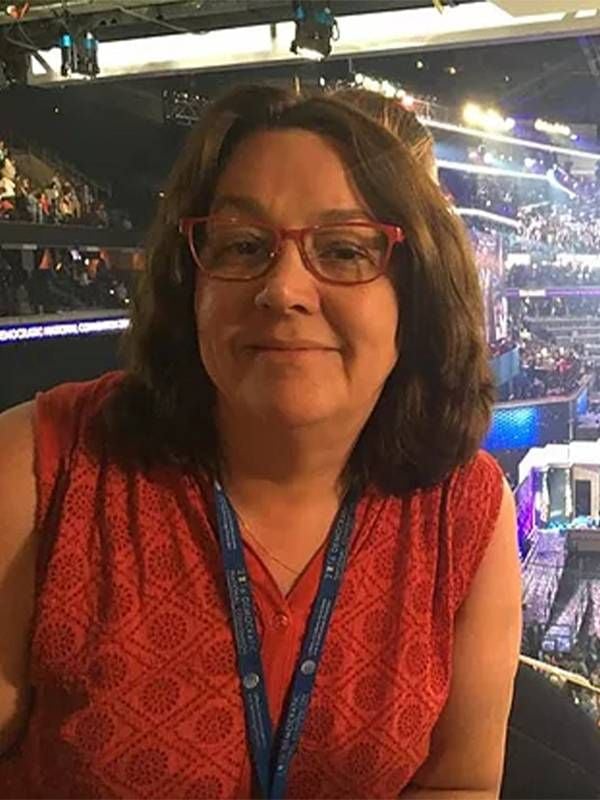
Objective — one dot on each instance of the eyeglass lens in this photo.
(343, 253)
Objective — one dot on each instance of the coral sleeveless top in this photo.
(135, 687)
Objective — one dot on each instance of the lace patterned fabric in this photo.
(132, 658)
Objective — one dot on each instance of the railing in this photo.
(564, 674)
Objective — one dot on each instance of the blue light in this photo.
(514, 427)
(66, 40)
(583, 402)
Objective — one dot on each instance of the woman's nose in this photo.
(288, 285)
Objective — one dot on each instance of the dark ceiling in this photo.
(111, 20)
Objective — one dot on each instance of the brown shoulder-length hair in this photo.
(435, 407)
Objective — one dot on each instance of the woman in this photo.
(270, 559)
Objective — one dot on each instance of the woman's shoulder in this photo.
(473, 512)
(61, 420)
(17, 559)
(69, 403)
(16, 452)
(478, 483)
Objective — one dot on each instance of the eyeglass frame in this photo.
(394, 234)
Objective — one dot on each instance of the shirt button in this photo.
(281, 621)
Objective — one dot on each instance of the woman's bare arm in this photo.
(467, 748)
(17, 565)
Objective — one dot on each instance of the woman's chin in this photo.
(292, 416)
(291, 410)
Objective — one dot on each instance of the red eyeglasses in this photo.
(340, 253)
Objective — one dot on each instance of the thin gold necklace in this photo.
(262, 547)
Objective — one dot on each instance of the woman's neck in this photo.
(283, 469)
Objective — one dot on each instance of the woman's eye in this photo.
(245, 246)
(242, 247)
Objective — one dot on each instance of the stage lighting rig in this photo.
(182, 106)
(79, 54)
(316, 28)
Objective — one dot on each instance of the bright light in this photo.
(552, 128)
(387, 89)
(311, 55)
(488, 119)
(500, 137)
(408, 102)
(359, 78)
(420, 64)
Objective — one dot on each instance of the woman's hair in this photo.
(435, 406)
(392, 115)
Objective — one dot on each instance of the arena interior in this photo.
(96, 99)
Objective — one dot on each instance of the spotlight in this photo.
(79, 55)
(68, 55)
(316, 27)
(420, 64)
(88, 56)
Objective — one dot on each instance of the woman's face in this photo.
(293, 179)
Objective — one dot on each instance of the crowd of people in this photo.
(548, 370)
(60, 201)
(64, 280)
(561, 308)
(544, 275)
(571, 225)
(502, 196)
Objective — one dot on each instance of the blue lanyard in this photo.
(272, 763)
